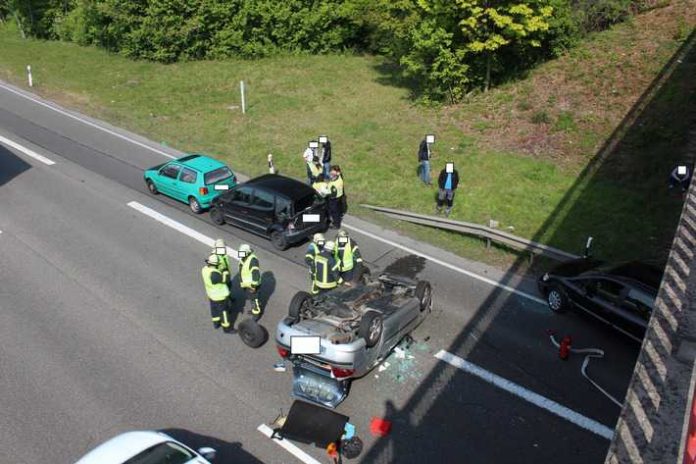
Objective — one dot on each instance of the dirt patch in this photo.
(568, 107)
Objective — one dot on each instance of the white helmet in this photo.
(213, 260)
(244, 248)
(219, 243)
(330, 246)
(318, 238)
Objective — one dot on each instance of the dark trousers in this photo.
(252, 295)
(335, 211)
(220, 313)
(445, 195)
(348, 276)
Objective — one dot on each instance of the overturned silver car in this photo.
(341, 335)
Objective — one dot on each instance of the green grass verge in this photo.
(375, 131)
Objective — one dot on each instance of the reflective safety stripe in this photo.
(216, 319)
(246, 272)
(225, 321)
(321, 277)
(215, 292)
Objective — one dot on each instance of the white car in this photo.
(146, 447)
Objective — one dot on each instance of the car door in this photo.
(236, 206)
(167, 180)
(262, 210)
(635, 309)
(186, 185)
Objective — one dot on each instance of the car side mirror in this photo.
(208, 453)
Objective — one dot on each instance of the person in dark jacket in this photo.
(325, 150)
(424, 155)
(447, 182)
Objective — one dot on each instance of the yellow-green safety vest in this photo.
(347, 262)
(322, 188)
(321, 277)
(224, 263)
(338, 183)
(246, 272)
(314, 168)
(215, 292)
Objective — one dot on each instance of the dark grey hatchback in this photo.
(276, 207)
(621, 295)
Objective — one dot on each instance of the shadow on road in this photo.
(440, 422)
(227, 452)
(11, 165)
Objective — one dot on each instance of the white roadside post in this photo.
(31, 82)
(241, 90)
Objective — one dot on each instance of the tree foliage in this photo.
(441, 48)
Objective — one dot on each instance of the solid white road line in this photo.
(26, 151)
(448, 265)
(179, 226)
(89, 123)
(290, 447)
(528, 395)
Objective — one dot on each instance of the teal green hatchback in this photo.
(194, 179)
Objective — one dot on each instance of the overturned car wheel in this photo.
(424, 293)
(362, 276)
(298, 305)
(252, 334)
(371, 328)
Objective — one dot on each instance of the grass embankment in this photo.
(520, 149)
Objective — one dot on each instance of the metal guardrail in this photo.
(469, 228)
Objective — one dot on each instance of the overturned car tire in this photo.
(370, 328)
(424, 293)
(298, 305)
(252, 333)
(362, 276)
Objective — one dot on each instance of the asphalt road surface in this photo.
(104, 327)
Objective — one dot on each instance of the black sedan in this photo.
(621, 295)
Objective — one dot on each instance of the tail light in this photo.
(283, 352)
(203, 190)
(340, 373)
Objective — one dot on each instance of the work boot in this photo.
(229, 330)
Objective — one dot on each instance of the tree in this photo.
(487, 26)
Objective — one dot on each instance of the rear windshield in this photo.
(217, 175)
(305, 202)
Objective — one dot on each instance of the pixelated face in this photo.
(323, 139)
(449, 167)
(242, 254)
(430, 138)
(313, 144)
(681, 170)
(220, 251)
(343, 240)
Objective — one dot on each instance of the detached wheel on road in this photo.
(371, 328)
(299, 305)
(252, 333)
(194, 205)
(424, 293)
(151, 187)
(216, 216)
(557, 300)
(278, 240)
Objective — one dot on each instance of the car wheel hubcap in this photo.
(555, 300)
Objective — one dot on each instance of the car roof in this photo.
(285, 186)
(637, 271)
(123, 447)
(200, 162)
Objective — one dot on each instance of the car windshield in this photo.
(218, 175)
(305, 202)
